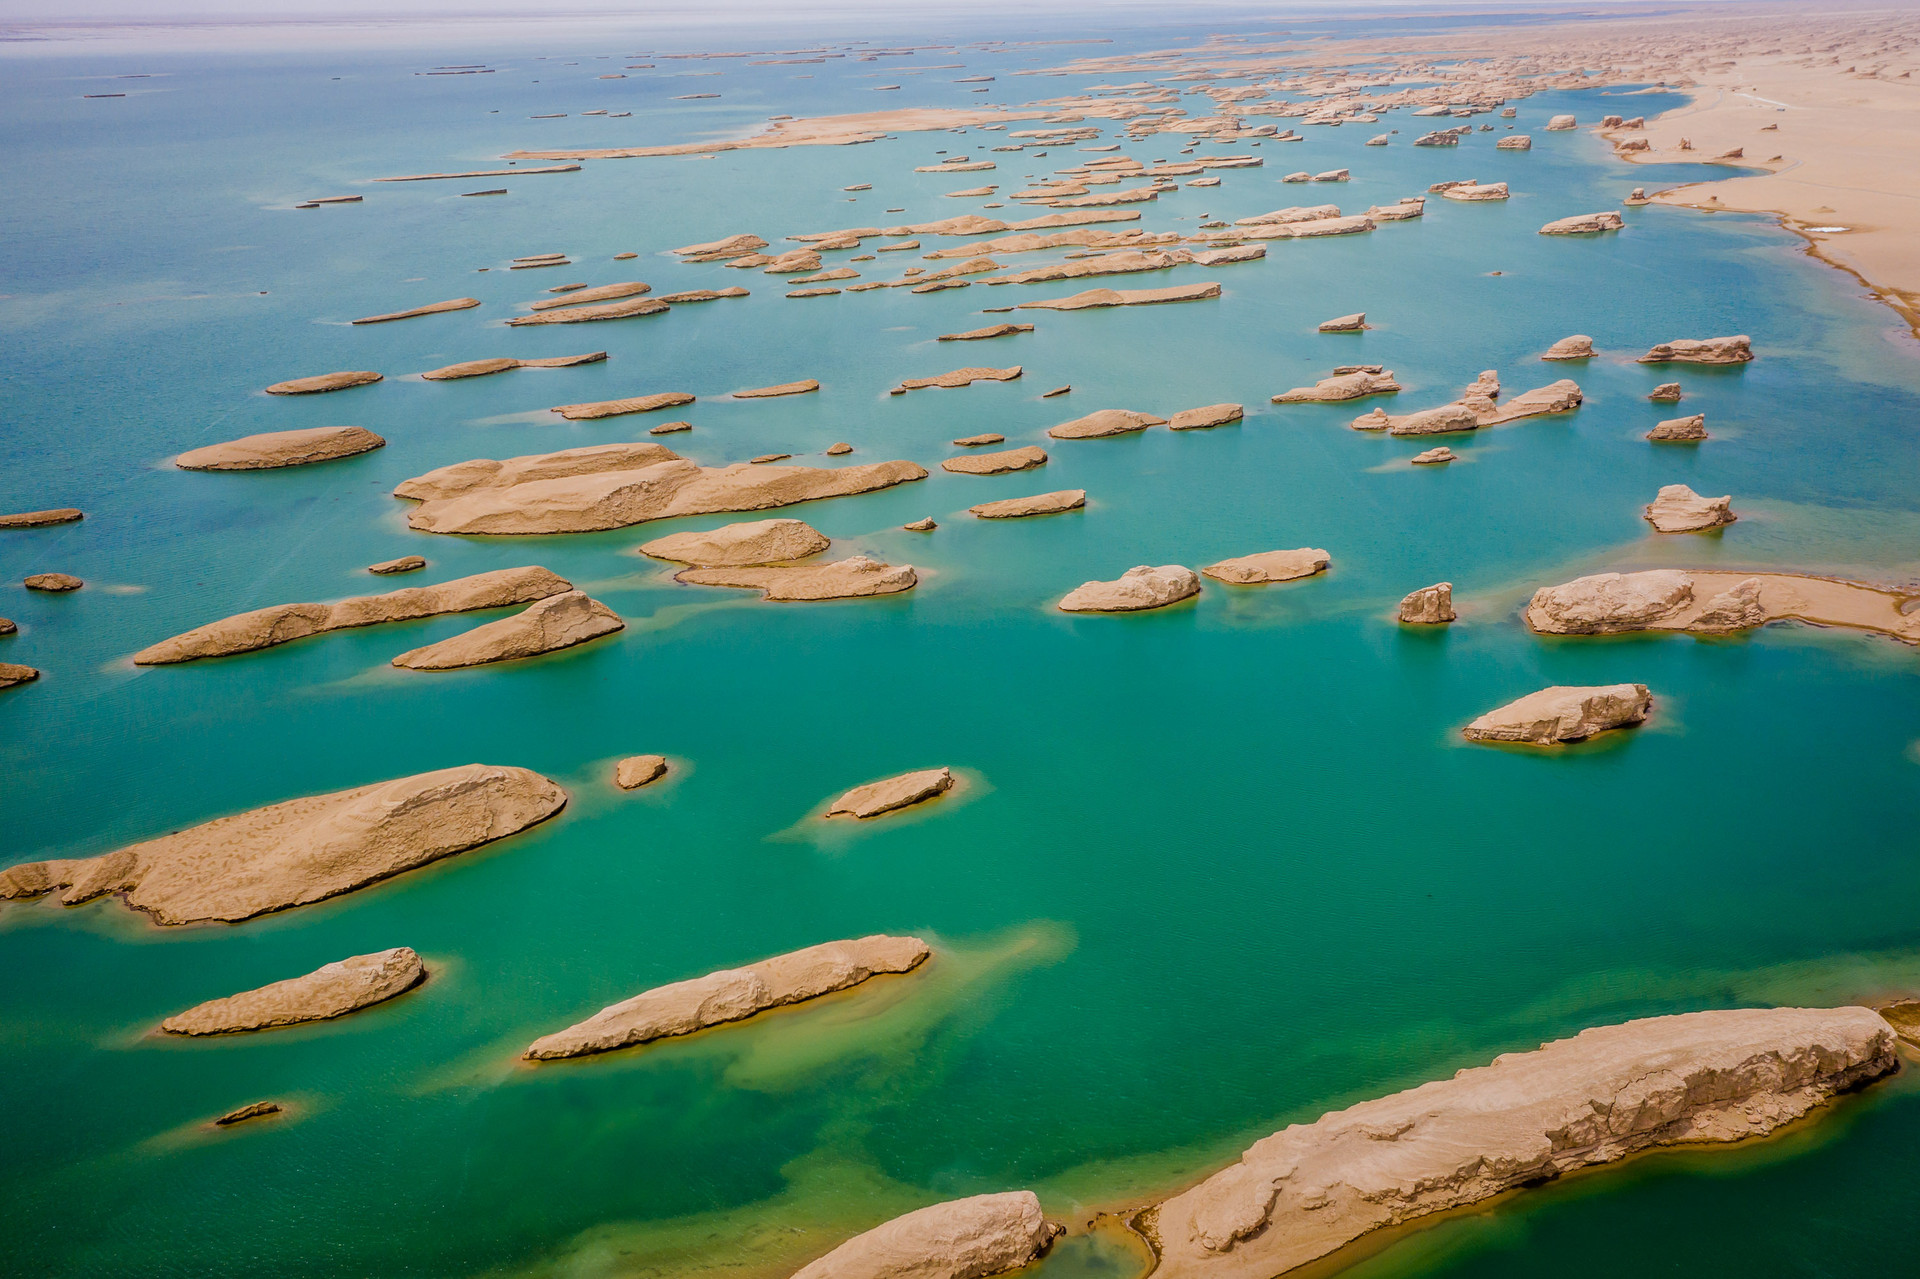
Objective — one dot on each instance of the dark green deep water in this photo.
(1216, 869)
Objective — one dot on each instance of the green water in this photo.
(1216, 869)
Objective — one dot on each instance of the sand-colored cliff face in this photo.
(732, 994)
(303, 850)
(1592, 1099)
(960, 1239)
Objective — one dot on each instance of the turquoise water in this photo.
(1216, 869)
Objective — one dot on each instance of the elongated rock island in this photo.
(1563, 714)
(735, 545)
(1141, 587)
(332, 990)
(733, 994)
(596, 490)
(324, 382)
(265, 627)
(961, 1239)
(1604, 1094)
(1013, 508)
(556, 622)
(850, 578)
(281, 448)
(303, 850)
(892, 793)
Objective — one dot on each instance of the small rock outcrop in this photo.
(323, 382)
(1105, 422)
(1429, 606)
(1019, 459)
(1680, 428)
(13, 674)
(961, 377)
(41, 519)
(1560, 122)
(500, 364)
(732, 994)
(1584, 224)
(1269, 566)
(990, 331)
(801, 387)
(556, 622)
(1352, 383)
(976, 441)
(636, 771)
(405, 564)
(889, 794)
(252, 1110)
(1737, 608)
(1436, 456)
(1528, 1118)
(1731, 350)
(923, 525)
(736, 545)
(281, 448)
(1141, 587)
(52, 583)
(1577, 347)
(1125, 297)
(304, 850)
(1563, 714)
(431, 308)
(850, 578)
(265, 627)
(961, 1239)
(1609, 603)
(1665, 393)
(1013, 508)
(333, 990)
(1207, 415)
(1678, 509)
(1355, 323)
(595, 409)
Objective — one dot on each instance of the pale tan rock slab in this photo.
(592, 500)
(1680, 429)
(1577, 347)
(1354, 385)
(1678, 509)
(1094, 298)
(1728, 350)
(1208, 415)
(851, 578)
(1269, 566)
(733, 994)
(616, 408)
(892, 793)
(41, 519)
(961, 1239)
(324, 382)
(332, 990)
(281, 448)
(735, 545)
(1584, 224)
(784, 388)
(549, 625)
(1595, 1098)
(636, 771)
(304, 850)
(1013, 508)
(432, 308)
(265, 627)
(1019, 459)
(1563, 713)
(1142, 587)
(1103, 423)
(1429, 606)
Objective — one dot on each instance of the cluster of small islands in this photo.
(1293, 1197)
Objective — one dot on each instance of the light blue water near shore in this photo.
(1217, 869)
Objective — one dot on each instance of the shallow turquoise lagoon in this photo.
(1213, 870)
